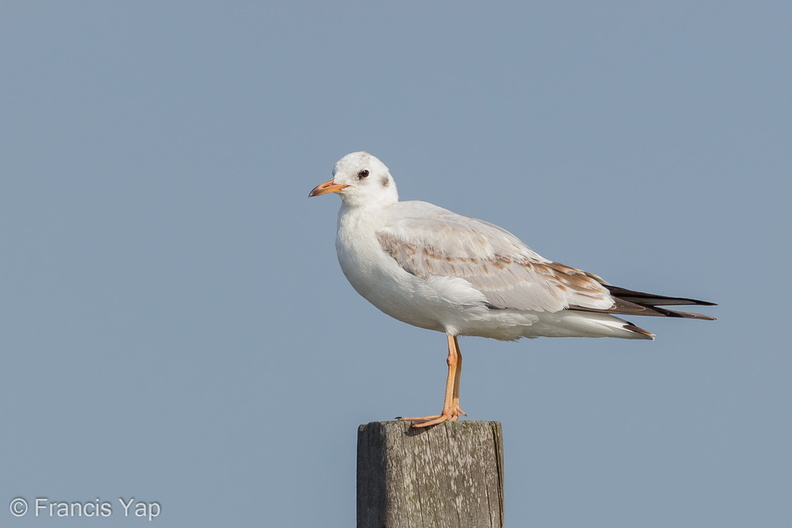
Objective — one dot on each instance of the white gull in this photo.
(435, 269)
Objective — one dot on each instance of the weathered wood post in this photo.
(446, 476)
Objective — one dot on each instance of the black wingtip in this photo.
(652, 299)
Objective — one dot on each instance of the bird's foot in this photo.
(448, 415)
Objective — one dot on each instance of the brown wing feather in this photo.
(428, 241)
(507, 278)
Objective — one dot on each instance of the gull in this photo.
(435, 269)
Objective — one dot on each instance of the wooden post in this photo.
(446, 476)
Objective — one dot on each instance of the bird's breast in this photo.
(379, 278)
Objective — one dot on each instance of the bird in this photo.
(435, 269)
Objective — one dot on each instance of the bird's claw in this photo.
(448, 415)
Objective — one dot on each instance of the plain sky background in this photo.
(175, 327)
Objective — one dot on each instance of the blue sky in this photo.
(175, 326)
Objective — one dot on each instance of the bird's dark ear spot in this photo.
(385, 181)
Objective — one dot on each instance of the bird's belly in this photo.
(400, 296)
(444, 304)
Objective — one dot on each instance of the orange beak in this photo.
(326, 187)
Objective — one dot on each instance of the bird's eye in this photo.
(362, 174)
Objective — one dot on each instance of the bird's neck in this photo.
(378, 200)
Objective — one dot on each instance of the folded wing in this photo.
(427, 241)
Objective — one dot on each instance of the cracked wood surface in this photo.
(447, 476)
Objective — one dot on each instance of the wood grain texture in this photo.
(446, 476)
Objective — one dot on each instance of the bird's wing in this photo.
(429, 241)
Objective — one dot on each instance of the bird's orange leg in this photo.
(457, 377)
(451, 410)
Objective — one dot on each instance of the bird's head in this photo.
(360, 179)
